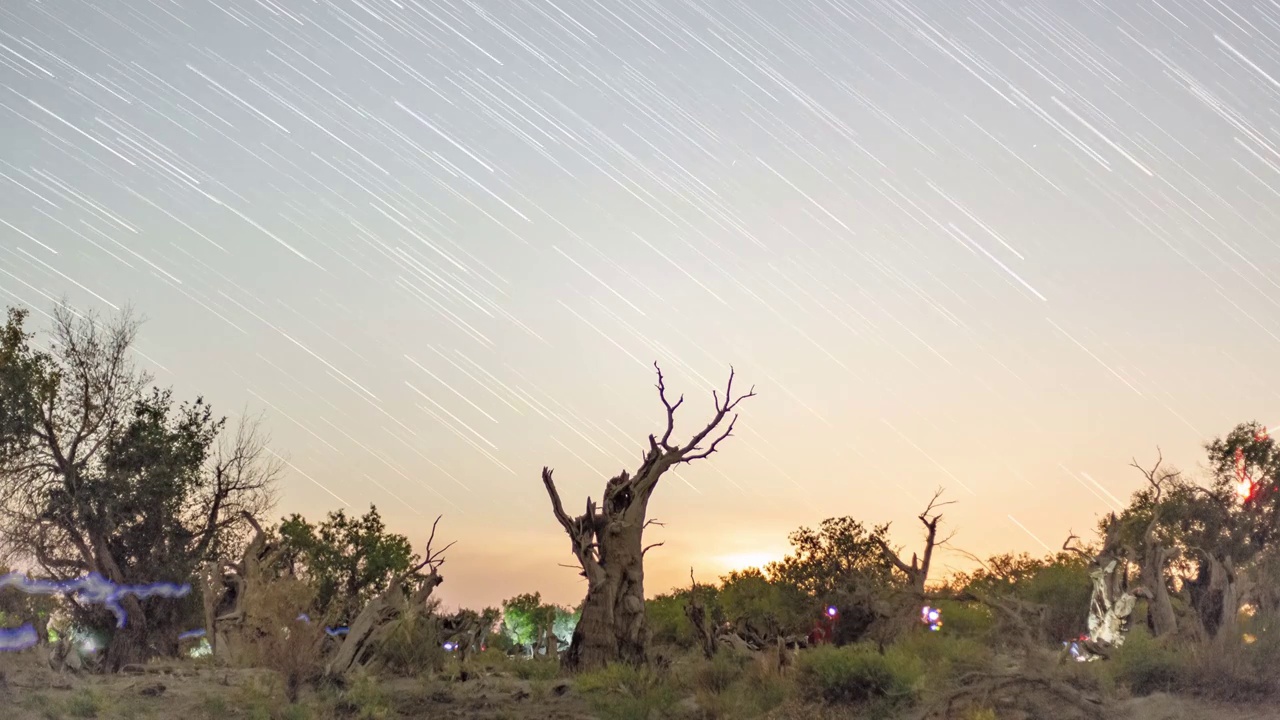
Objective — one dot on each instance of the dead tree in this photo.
(917, 573)
(1154, 556)
(608, 540)
(246, 578)
(702, 625)
(408, 592)
(1215, 596)
(1111, 603)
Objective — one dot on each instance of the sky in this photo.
(999, 248)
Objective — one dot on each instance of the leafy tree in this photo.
(526, 620)
(668, 615)
(523, 617)
(103, 475)
(828, 560)
(1249, 524)
(842, 563)
(752, 600)
(1213, 533)
(348, 560)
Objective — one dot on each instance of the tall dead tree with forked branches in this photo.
(607, 539)
(1153, 556)
(917, 572)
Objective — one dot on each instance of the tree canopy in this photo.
(348, 560)
(105, 474)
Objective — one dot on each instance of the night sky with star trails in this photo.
(997, 247)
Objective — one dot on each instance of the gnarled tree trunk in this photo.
(1160, 617)
(608, 542)
(1154, 557)
(1111, 604)
(696, 611)
(1215, 597)
(916, 573)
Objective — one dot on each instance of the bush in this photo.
(965, 619)
(625, 692)
(1064, 588)
(1147, 665)
(860, 674)
(535, 668)
(667, 621)
(719, 673)
(946, 655)
(732, 686)
(412, 646)
(365, 699)
(275, 638)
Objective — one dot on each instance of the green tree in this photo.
(112, 478)
(523, 618)
(759, 604)
(526, 620)
(1214, 533)
(348, 560)
(842, 563)
(826, 561)
(1059, 583)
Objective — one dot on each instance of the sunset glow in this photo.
(742, 561)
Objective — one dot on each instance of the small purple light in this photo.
(831, 611)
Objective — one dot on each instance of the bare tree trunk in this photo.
(1160, 616)
(553, 643)
(917, 572)
(211, 592)
(1215, 598)
(608, 541)
(594, 642)
(1111, 603)
(697, 613)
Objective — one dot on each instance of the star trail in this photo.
(999, 247)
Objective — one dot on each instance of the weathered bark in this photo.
(1215, 597)
(916, 573)
(370, 625)
(608, 541)
(1160, 616)
(552, 643)
(1154, 557)
(212, 590)
(248, 575)
(1111, 604)
(697, 613)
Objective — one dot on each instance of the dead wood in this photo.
(406, 593)
(607, 540)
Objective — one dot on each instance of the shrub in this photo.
(1147, 665)
(625, 692)
(860, 674)
(718, 674)
(365, 699)
(945, 654)
(667, 620)
(536, 668)
(412, 646)
(965, 619)
(276, 639)
(733, 686)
